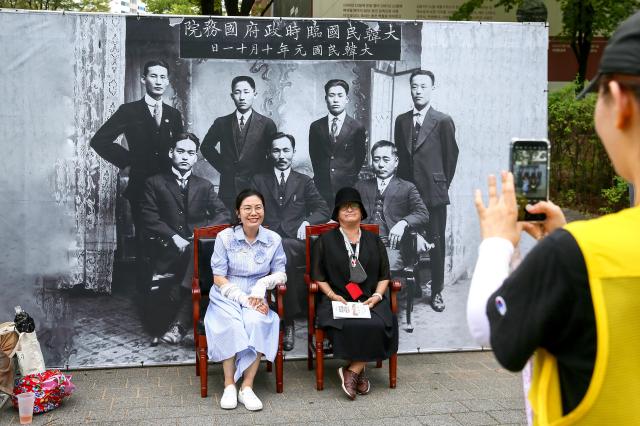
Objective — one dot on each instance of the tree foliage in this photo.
(71, 5)
(581, 21)
(174, 7)
(582, 176)
(201, 7)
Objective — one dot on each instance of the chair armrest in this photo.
(312, 286)
(279, 291)
(396, 286)
(196, 294)
(313, 290)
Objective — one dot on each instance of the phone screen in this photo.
(530, 168)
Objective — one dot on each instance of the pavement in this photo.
(460, 388)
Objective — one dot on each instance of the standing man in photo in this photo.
(427, 155)
(174, 204)
(149, 125)
(243, 137)
(337, 144)
(292, 203)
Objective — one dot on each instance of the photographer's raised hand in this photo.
(499, 217)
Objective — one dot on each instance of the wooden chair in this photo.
(316, 346)
(203, 243)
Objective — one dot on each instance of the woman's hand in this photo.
(259, 305)
(554, 219)
(337, 298)
(371, 302)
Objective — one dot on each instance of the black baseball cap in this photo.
(622, 54)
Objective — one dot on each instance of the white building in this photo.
(128, 6)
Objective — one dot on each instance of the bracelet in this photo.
(377, 294)
(330, 293)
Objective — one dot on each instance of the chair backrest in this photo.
(314, 232)
(204, 240)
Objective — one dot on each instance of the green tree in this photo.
(72, 5)
(201, 7)
(174, 7)
(581, 21)
(582, 176)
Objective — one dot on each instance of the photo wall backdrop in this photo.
(76, 126)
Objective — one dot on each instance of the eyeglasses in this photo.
(350, 206)
(250, 209)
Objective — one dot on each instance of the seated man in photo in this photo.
(175, 203)
(292, 203)
(393, 203)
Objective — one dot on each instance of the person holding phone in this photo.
(573, 302)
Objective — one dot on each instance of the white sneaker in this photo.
(229, 399)
(249, 399)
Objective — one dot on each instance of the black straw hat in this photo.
(622, 54)
(347, 195)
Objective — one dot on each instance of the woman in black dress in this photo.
(337, 257)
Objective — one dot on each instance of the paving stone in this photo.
(513, 403)
(384, 421)
(132, 392)
(482, 404)
(475, 418)
(439, 420)
(158, 413)
(509, 416)
(439, 389)
(167, 401)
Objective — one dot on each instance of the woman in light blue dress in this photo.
(240, 327)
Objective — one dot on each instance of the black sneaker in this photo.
(174, 335)
(288, 341)
(437, 304)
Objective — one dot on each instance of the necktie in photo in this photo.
(182, 182)
(416, 131)
(281, 185)
(334, 129)
(241, 122)
(157, 114)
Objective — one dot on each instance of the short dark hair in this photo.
(384, 144)
(183, 136)
(155, 63)
(281, 135)
(423, 72)
(240, 78)
(336, 83)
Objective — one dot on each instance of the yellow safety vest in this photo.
(611, 249)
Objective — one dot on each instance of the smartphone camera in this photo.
(530, 167)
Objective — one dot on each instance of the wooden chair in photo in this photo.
(316, 335)
(417, 265)
(204, 240)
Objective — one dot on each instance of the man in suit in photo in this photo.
(393, 203)
(337, 144)
(292, 203)
(149, 125)
(243, 137)
(175, 203)
(427, 157)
